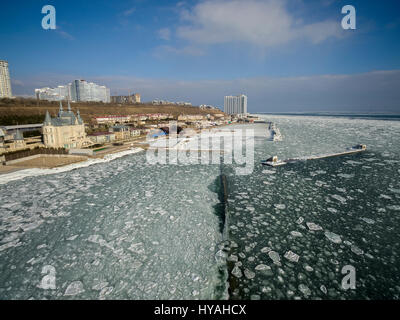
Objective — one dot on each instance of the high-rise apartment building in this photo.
(54, 94)
(235, 104)
(137, 97)
(5, 83)
(81, 90)
(78, 90)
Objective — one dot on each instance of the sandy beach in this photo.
(45, 161)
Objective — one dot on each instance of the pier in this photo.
(274, 162)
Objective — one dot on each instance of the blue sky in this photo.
(288, 55)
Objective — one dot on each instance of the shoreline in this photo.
(31, 172)
(6, 169)
(16, 172)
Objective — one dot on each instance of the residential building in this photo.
(137, 97)
(54, 94)
(130, 99)
(112, 119)
(5, 83)
(121, 131)
(135, 132)
(81, 90)
(235, 104)
(77, 90)
(190, 117)
(206, 106)
(166, 102)
(65, 131)
(102, 137)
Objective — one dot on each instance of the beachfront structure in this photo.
(64, 131)
(133, 98)
(76, 91)
(5, 83)
(235, 104)
(102, 137)
(121, 132)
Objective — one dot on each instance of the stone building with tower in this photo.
(65, 131)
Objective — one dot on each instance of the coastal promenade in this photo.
(47, 162)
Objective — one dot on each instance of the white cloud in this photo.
(64, 34)
(16, 82)
(129, 12)
(164, 34)
(261, 23)
(165, 50)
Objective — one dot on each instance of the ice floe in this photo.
(335, 238)
(274, 257)
(291, 256)
(313, 226)
(74, 289)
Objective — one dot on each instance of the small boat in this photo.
(360, 147)
(273, 162)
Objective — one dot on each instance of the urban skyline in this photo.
(77, 90)
(186, 51)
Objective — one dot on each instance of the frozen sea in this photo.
(126, 229)
(293, 228)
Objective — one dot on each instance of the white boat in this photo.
(273, 162)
